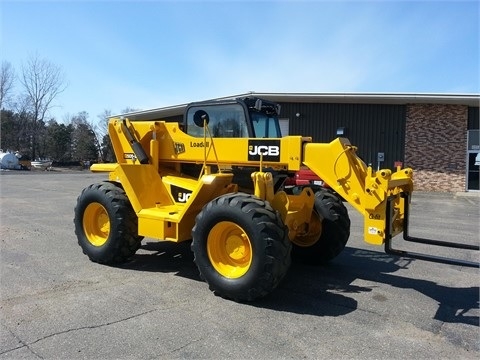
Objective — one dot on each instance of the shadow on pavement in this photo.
(166, 257)
(454, 303)
(323, 290)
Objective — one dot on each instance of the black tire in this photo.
(241, 247)
(105, 224)
(295, 190)
(335, 231)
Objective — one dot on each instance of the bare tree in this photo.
(101, 131)
(129, 109)
(7, 75)
(84, 141)
(102, 127)
(42, 81)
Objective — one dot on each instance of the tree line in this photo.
(26, 127)
(64, 143)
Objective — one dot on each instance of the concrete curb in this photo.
(468, 193)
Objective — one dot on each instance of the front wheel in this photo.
(105, 224)
(328, 232)
(240, 247)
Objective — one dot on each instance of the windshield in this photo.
(265, 126)
(225, 121)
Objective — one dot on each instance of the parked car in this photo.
(304, 177)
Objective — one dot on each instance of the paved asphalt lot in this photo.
(56, 304)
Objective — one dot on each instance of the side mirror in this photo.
(199, 117)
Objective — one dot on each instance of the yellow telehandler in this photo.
(217, 180)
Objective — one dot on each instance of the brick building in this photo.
(435, 134)
(436, 144)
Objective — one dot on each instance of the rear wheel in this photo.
(328, 232)
(105, 224)
(240, 247)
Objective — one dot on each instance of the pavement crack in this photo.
(27, 345)
(23, 345)
(178, 348)
(187, 344)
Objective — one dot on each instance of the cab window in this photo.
(265, 126)
(226, 121)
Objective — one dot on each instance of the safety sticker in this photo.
(372, 230)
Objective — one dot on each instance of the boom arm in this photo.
(371, 193)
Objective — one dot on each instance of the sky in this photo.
(150, 54)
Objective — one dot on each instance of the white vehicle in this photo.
(10, 160)
(42, 164)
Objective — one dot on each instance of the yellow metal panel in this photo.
(156, 229)
(171, 144)
(295, 210)
(143, 185)
(103, 167)
(174, 222)
(337, 165)
(181, 181)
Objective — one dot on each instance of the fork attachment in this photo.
(438, 259)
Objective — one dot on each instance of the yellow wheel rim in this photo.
(311, 234)
(96, 224)
(229, 249)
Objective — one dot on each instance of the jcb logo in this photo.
(264, 150)
(183, 197)
(180, 195)
(268, 150)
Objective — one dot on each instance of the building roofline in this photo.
(377, 98)
(467, 99)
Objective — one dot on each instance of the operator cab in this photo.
(247, 117)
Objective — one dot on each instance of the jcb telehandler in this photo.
(177, 182)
